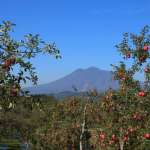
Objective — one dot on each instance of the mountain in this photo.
(81, 79)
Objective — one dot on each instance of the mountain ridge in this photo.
(81, 79)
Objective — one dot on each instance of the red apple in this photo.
(93, 146)
(7, 63)
(128, 55)
(102, 136)
(145, 48)
(137, 117)
(147, 136)
(123, 78)
(141, 94)
(146, 70)
(126, 138)
(142, 58)
(111, 142)
(114, 138)
(14, 90)
(131, 130)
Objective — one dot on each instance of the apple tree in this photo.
(125, 123)
(15, 65)
(19, 114)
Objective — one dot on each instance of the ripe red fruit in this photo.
(123, 78)
(145, 48)
(141, 94)
(137, 117)
(128, 55)
(102, 136)
(131, 130)
(14, 92)
(93, 146)
(126, 138)
(113, 137)
(146, 70)
(147, 136)
(142, 58)
(111, 142)
(9, 62)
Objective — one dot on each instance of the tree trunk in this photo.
(83, 128)
(121, 145)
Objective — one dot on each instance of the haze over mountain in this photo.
(81, 79)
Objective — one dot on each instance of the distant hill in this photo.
(65, 94)
(81, 79)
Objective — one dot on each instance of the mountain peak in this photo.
(79, 70)
(82, 79)
(92, 68)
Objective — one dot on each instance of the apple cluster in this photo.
(114, 139)
(8, 63)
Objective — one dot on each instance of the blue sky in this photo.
(86, 31)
